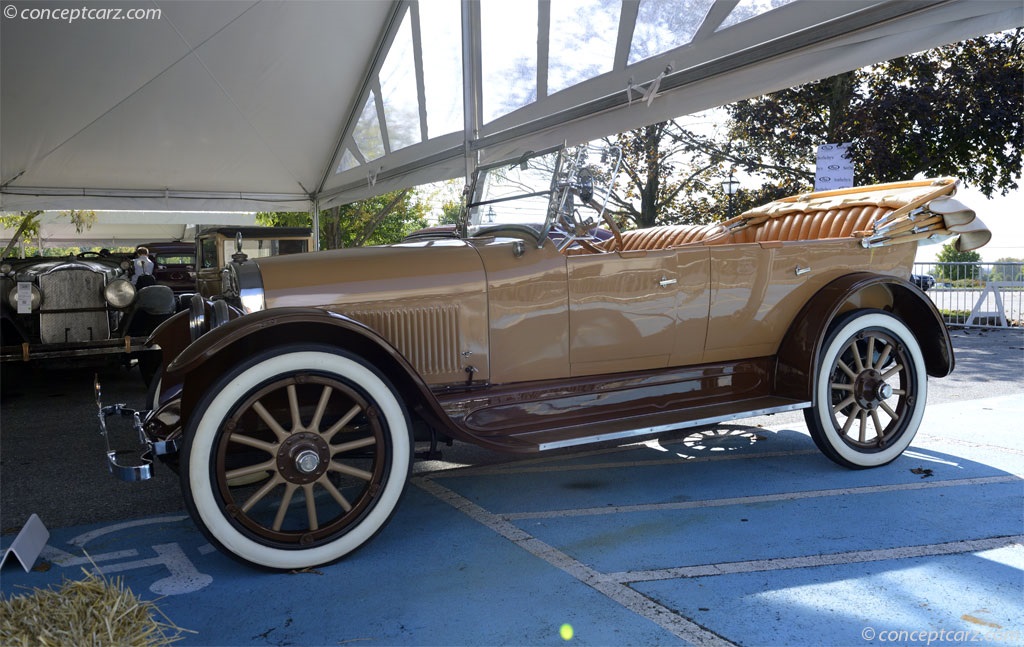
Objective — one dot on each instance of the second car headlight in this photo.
(119, 293)
(37, 298)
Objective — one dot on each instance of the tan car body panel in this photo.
(527, 308)
(542, 315)
(756, 291)
(515, 346)
(428, 299)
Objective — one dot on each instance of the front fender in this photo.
(203, 361)
(798, 354)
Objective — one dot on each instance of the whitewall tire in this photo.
(296, 458)
(870, 390)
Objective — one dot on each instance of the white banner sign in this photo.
(834, 169)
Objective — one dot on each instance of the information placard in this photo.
(834, 169)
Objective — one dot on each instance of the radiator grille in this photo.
(427, 336)
(72, 289)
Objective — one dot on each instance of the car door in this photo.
(637, 310)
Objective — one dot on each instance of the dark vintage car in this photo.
(174, 265)
(290, 403)
(76, 306)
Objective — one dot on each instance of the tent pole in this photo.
(314, 211)
(471, 83)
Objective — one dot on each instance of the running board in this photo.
(651, 425)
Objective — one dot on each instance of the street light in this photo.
(490, 214)
(730, 187)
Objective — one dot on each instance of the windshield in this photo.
(514, 193)
(561, 194)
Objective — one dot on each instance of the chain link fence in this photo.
(975, 294)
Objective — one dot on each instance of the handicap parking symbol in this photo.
(183, 575)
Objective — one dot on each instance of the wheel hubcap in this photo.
(303, 457)
(307, 461)
(870, 389)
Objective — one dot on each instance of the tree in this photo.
(1008, 269)
(451, 212)
(953, 110)
(954, 264)
(27, 224)
(661, 167)
(379, 220)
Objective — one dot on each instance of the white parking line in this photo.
(760, 498)
(616, 591)
(811, 561)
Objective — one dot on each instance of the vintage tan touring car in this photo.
(290, 404)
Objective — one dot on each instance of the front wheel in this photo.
(296, 458)
(869, 392)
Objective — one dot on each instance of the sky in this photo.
(1003, 215)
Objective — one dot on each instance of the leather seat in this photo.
(663, 237)
(802, 225)
(810, 225)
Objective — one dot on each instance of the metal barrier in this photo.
(975, 294)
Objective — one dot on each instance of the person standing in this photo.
(143, 274)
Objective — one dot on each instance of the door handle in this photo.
(800, 271)
(664, 282)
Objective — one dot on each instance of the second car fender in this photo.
(798, 353)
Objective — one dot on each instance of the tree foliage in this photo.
(955, 272)
(662, 166)
(1008, 269)
(26, 225)
(953, 110)
(381, 220)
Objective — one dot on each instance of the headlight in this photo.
(247, 280)
(119, 293)
(5, 269)
(37, 297)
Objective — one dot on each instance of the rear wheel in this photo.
(296, 458)
(869, 392)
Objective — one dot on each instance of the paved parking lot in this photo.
(738, 533)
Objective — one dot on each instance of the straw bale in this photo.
(92, 611)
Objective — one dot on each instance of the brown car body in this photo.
(521, 341)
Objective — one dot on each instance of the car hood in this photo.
(28, 271)
(402, 273)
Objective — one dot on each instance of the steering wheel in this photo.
(578, 224)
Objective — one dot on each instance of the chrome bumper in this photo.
(131, 464)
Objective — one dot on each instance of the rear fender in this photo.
(216, 352)
(798, 353)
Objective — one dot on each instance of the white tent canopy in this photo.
(114, 229)
(298, 105)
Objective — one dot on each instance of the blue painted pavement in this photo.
(731, 535)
